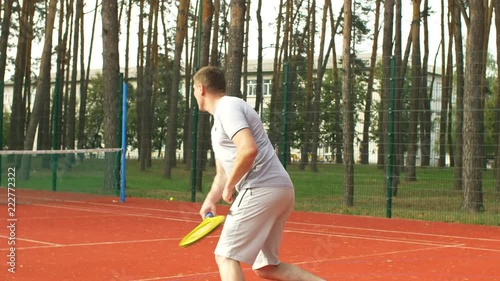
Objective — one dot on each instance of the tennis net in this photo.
(63, 174)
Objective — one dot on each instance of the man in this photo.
(247, 164)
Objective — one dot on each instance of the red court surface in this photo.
(101, 239)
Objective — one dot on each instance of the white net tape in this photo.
(69, 151)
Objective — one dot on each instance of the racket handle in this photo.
(209, 215)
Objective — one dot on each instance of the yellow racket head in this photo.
(208, 225)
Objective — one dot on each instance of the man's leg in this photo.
(230, 270)
(286, 271)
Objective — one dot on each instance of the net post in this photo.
(55, 130)
(390, 147)
(1, 125)
(123, 143)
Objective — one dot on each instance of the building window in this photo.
(252, 88)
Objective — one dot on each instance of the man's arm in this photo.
(215, 193)
(246, 152)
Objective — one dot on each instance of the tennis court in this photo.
(100, 238)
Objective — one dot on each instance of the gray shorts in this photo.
(254, 227)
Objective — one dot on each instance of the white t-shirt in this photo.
(232, 115)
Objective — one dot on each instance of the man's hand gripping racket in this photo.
(209, 224)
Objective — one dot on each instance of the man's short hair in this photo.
(212, 78)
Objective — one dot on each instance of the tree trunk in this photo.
(451, 143)
(127, 40)
(42, 96)
(5, 36)
(258, 93)
(398, 159)
(488, 15)
(164, 125)
(321, 68)
(215, 61)
(448, 87)
(44, 129)
(82, 141)
(459, 108)
(276, 80)
(71, 134)
(348, 107)
(214, 53)
(235, 51)
(155, 92)
(416, 84)
(309, 122)
(445, 92)
(204, 117)
(365, 148)
(189, 101)
(148, 81)
(111, 69)
(61, 65)
(425, 99)
(67, 79)
(497, 116)
(472, 127)
(298, 48)
(245, 50)
(84, 85)
(292, 52)
(17, 118)
(386, 70)
(171, 136)
(139, 100)
(336, 145)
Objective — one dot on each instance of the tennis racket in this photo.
(209, 224)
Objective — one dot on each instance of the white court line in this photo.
(374, 238)
(313, 224)
(114, 205)
(298, 231)
(69, 217)
(480, 249)
(407, 241)
(435, 246)
(381, 254)
(32, 241)
(140, 208)
(396, 231)
(308, 224)
(289, 222)
(47, 200)
(50, 245)
(179, 277)
(114, 213)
